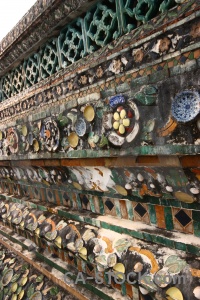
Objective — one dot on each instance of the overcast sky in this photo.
(11, 11)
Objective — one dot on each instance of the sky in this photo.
(11, 11)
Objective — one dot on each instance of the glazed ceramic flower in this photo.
(83, 79)
(59, 90)
(70, 85)
(49, 95)
(195, 32)
(164, 44)
(138, 55)
(116, 66)
(32, 101)
(99, 72)
(121, 120)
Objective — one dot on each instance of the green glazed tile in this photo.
(78, 201)
(165, 202)
(91, 203)
(129, 207)
(168, 218)
(147, 237)
(41, 207)
(175, 203)
(101, 206)
(117, 209)
(169, 243)
(196, 215)
(197, 232)
(193, 249)
(191, 56)
(88, 220)
(136, 234)
(154, 200)
(123, 289)
(196, 225)
(105, 225)
(160, 239)
(152, 214)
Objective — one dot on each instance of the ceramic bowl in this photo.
(24, 130)
(81, 127)
(174, 293)
(1, 135)
(186, 106)
(30, 138)
(7, 277)
(21, 295)
(73, 139)
(36, 146)
(89, 113)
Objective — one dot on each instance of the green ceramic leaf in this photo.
(19, 290)
(24, 267)
(99, 113)
(102, 260)
(30, 290)
(150, 90)
(121, 245)
(176, 267)
(4, 270)
(15, 277)
(40, 278)
(6, 291)
(60, 117)
(171, 259)
(148, 284)
(2, 255)
(175, 264)
(172, 14)
(149, 126)
(103, 141)
(11, 261)
(54, 291)
(145, 99)
(63, 121)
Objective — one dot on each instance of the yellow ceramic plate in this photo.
(89, 113)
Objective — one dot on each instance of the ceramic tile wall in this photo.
(180, 218)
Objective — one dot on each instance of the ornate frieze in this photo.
(37, 25)
(101, 25)
(148, 53)
(131, 183)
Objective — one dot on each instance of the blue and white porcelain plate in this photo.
(186, 106)
(116, 100)
(80, 127)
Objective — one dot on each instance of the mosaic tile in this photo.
(160, 216)
(109, 207)
(123, 208)
(85, 202)
(168, 218)
(141, 213)
(182, 220)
